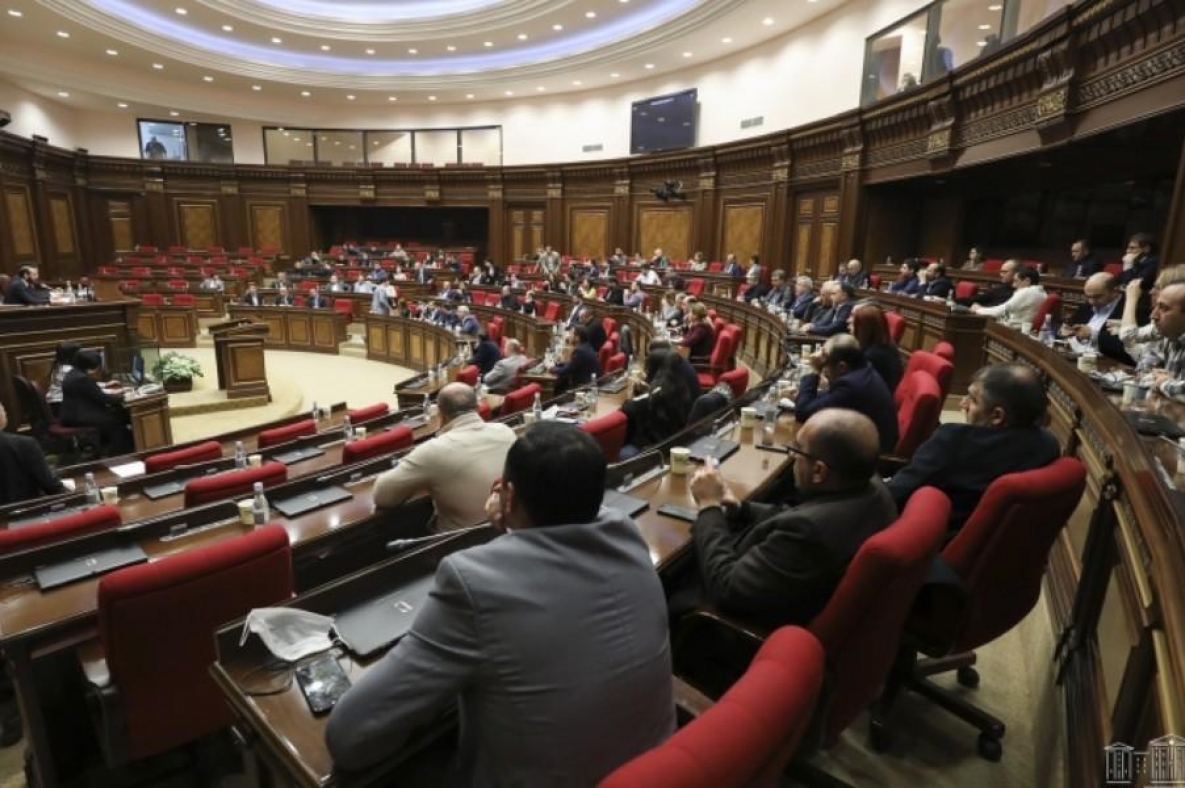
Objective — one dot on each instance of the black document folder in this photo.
(308, 501)
(1154, 424)
(297, 455)
(85, 566)
(377, 623)
(626, 504)
(711, 446)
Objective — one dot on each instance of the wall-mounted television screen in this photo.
(664, 122)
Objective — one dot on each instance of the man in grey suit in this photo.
(561, 676)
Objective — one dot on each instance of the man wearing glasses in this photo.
(777, 564)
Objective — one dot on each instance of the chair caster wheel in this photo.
(989, 749)
(968, 677)
(878, 735)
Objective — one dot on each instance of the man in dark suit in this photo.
(804, 298)
(580, 367)
(834, 319)
(315, 300)
(486, 354)
(24, 473)
(509, 300)
(1083, 263)
(1104, 301)
(528, 306)
(283, 297)
(25, 289)
(1141, 261)
(469, 323)
(1001, 293)
(1004, 407)
(577, 315)
(776, 564)
(853, 383)
(252, 296)
(595, 327)
(853, 274)
(936, 285)
(84, 404)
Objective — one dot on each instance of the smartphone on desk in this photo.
(323, 682)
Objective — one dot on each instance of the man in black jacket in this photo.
(24, 473)
(1004, 407)
(1083, 262)
(776, 565)
(579, 369)
(25, 289)
(852, 383)
(1104, 302)
(1001, 292)
(84, 404)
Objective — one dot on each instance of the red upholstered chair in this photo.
(607, 350)
(551, 312)
(298, 300)
(469, 375)
(896, 326)
(398, 437)
(141, 270)
(156, 624)
(485, 411)
(97, 518)
(919, 405)
(609, 431)
(167, 460)
(175, 270)
(1052, 305)
(232, 484)
(184, 299)
(1000, 556)
(358, 415)
(715, 267)
(108, 270)
(519, 399)
(737, 379)
(129, 286)
(965, 290)
(609, 324)
(177, 284)
(494, 330)
(695, 287)
(306, 284)
(344, 306)
(992, 266)
(288, 432)
(719, 362)
(874, 281)
(946, 350)
(152, 299)
(616, 361)
(941, 369)
(1113, 267)
(747, 737)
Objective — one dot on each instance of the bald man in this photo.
(776, 564)
(843, 378)
(457, 467)
(1104, 301)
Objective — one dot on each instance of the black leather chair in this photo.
(70, 443)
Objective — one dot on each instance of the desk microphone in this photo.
(399, 545)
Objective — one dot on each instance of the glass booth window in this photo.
(162, 140)
(436, 147)
(210, 142)
(894, 60)
(966, 29)
(482, 146)
(388, 147)
(288, 146)
(340, 147)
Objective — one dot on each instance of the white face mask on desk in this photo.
(288, 632)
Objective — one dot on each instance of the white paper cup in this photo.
(680, 460)
(1131, 393)
(748, 418)
(359, 433)
(110, 495)
(528, 417)
(255, 460)
(1088, 362)
(246, 515)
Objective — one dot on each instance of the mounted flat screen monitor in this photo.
(664, 123)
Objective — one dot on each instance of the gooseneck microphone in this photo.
(399, 545)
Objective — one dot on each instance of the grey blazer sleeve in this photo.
(414, 683)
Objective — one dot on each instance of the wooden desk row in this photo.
(296, 328)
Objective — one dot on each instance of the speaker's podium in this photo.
(238, 348)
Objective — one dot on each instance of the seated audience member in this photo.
(502, 375)
(700, 336)
(999, 293)
(933, 282)
(1164, 355)
(698, 263)
(456, 467)
(25, 289)
(1004, 407)
(659, 260)
(26, 474)
(336, 285)
(834, 319)
(1132, 330)
(870, 328)
(755, 292)
(635, 298)
(282, 280)
(252, 296)
(1024, 303)
(529, 306)
(509, 300)
(314, 300)
(213, 283)
(596, 330)
(283, 297)
(907, 280)
(586, 289)
(804, 298)
(63, 362)
(974, 260)
(466, 295)
(422, 274)
(615, 294)
(1104, 302)
(470, 325)
(664, 410)
(671, 308)
(1083, 263)
(486, 354)
(558, 682)
(1141, 261)
(649, 276)
(850, 382)
(451, 292)
(756, 273)
(85, 404)
(777, 564)
(780, 295)
(853, 274)
(732, 267)
(581, 366)
(363, 285)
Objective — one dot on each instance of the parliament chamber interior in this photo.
(623, 393)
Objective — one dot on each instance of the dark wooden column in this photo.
(553, 220)
(159, 220)
(300, 240)
(703, 221)
(1173, 249)
(850, 186)
(621, 217)
(778, 227)
(496, 246)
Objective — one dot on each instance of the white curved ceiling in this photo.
(267, 59)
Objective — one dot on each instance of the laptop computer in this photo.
(626, 504)
(711, 446)
(308, 501)
(298, 455)
(374, 625)
(45, 517)
(164, 489)
(84, 566)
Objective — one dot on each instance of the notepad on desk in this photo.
(128, 470)
(626, 504)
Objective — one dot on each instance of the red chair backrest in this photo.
(97, 518)
(1115, 267)
(992, 266)
(343, 305)
(946, 350)
(607, 350)
(157, 622)
(369, 412)
(288, 432)
(167, 460)
(468, 374)
(616, 361)
(152, 299)
(551, 312)
(398, 437)
(941, 370)
(737, 379)
(1002, 550)
(233, 484)
(695, 286)
(609, 324)
(1052, 305)
(609, 431)
(861, 626)
(520, 399)
(896, 326)
(494, 330)
(874, 281)
(919, 404)
(184, 299)
(484, 410)
(749, 735)
(966, 289)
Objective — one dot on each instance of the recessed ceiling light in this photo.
(63, 94)
(207, 79)
(14, 12)
(257, 87)
(590, 14)
(451, 48)
(522, 36)
(305, 93)
(995, 7)
(432, 98)
(726, 40)
(351, 97)
(577, 82)
(540, 88)
(370, 51)
(413, 51)
(113, 52)
(985, 27)
(158, 66)
(392, 98)
(296, 139)
(686, 54)
(277, 40)
(649, 65)
(335, 142)
(181, 11)
(767, 21)
(980, 43)
(122, 105)
(228, 28)
(510, 93)
(614, 75)
(557, 27)
(173, 113)
(325, 47)
(63, 34)
(468, 95)
(487, 43)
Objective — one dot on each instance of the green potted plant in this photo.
(176, 372)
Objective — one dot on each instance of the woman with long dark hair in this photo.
(63, 362)
(868, 325)
(664, 411)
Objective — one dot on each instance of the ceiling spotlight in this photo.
(980, 43)
(767, 21)
(392, 98)
(277, 40)
(487, 43)
(522, 36)
(590, 14)
(63, 94)
(207, 79)
(350, 97)
(113, 52)
(257, 87)
(577, 82)
(985, 27)
(325, 47)
(14, 12)
(228, 28)
(413, 51)
(686, 54)
(182, 11)
(995, 7)
(122, 105)
(158, 66)
(726, 40)
(540, 88)
(305, 93)
(468, 95)
(432, 98)
(63, 34)
(649, 65)
(451, 48)
(173, 113)
(557, 27)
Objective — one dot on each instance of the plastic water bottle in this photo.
(950, 299)
(1047, 331)
(592, 390)
(427, 404)
(537, 407)
(769, 426)
(71, 295)
(347, 428)
(316, 413)
(240, 455)
(91, 489)
(260, 512)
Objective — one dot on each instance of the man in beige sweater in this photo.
(456, 468)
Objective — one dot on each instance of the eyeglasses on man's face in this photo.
(795, 449)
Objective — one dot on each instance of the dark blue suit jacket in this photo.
(861, 390)
(578, 370)
(835, 320)
(485, 356)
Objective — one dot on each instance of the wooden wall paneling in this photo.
(197, 223)
(497, 245)
(827, 253)
(743, 229)
(268, 226)
(22, 229)
(804, 226)
(706, 231)
(65, 237)
(941, 227)
(1173, 247)
(525, 231)
(122, 231)
(588, 233)
(664, 227)
(553, 220)
(621, 217)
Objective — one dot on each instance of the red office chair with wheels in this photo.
(167, 460)
(468, 375)
(720, 361)
(397, 438)
(519, 399)
(896, 324)
(97, 518)
(609, 431)
(616, 362)
(1051, 306)
(748, 736)
(288, 432)
(375, 411)
(919, 405)
(945, 350)
(344, 307)
(156, 625)
(737, 379)
(937, 367)
(49, 433)
(874, 281)
(233, 484)
(999, 555)
(965, 291)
